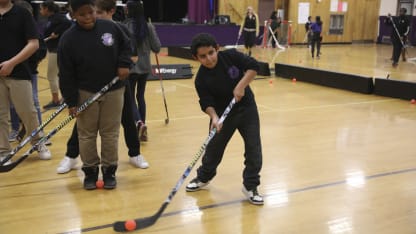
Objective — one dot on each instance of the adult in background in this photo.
(316, 28)
(402, 24)
(249, 29)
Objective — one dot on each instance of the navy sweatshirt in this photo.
(89, 59)
(215, 86)
(58, 24)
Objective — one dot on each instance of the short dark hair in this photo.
(76, 4)
(404, 10)
(51, 6)
(106, 5)
(202, 40)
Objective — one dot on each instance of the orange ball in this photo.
(293, 79)
(99, 184)
(130, 225)
(413, 101)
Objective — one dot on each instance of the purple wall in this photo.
(181, 34)
(386, 30)
(199, 11)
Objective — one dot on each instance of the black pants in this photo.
(246, 121)
(127, 121)
(249, 39)
(397, 49)
(316, 40)
(138, 87)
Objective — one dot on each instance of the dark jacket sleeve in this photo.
(67, 78)
(125, 48)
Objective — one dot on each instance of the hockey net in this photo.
(283, 38)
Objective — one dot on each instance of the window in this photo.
(336, 25)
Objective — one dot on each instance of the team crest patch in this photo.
(107, 39)
(233, 72)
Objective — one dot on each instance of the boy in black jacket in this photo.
(224, 75)
(402, 24)
(90, 55)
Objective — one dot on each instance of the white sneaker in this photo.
(43, 152)
(6, 163)
(66, 165)
(253, 196)
(139, 161)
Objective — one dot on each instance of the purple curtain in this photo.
(198, 11)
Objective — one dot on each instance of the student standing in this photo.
(82, 74)
(249, 29)
(16, 47)
(316, 28)
(144, 34)
(222, 76)
(105, 10)
(402, 24)
(56, 25)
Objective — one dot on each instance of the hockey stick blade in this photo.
(142, 223)
(9, 167)
(120, 226)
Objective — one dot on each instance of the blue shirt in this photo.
(316, 27)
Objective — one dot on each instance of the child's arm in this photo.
(7, 66)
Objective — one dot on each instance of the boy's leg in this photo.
(22, 98)
(249, 129)
(4, 118)
(131, 137)
(87, 127)
(111, 107)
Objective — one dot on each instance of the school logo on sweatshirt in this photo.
(233, 72)
(107, 39)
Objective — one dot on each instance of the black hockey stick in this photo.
(33, 134)
(9, 167)
(163, 90)
(141, 223)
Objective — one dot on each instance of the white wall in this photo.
(390, 6)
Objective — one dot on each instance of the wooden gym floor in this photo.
(334, 161)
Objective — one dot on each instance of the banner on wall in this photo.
(303, 12)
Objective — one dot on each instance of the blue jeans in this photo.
(245, 119)
(13, 115)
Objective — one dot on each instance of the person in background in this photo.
(145, 36)
(56, 25)
(402, 24)
(309, 34)
(316, 28)
(249, 29)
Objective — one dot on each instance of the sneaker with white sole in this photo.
(195, 185)
(43, 152)
(253, 196)
(66, 165)
(139, 161)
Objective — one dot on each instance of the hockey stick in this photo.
(163, 90)
(275, 40)
(9, 167)
(398, 34)
(33, 134)
(141, 223)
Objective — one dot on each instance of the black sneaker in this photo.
(195, 185)
(253, 196)
(52, 105)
